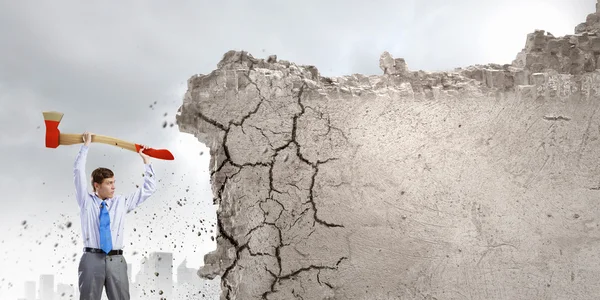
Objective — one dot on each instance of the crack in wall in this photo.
(237, 256)
(228, 160)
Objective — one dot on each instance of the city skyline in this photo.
(176, 278)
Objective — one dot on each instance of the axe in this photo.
(54, 138)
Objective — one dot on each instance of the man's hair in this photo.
(100, 174)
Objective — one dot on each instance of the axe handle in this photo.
(73, 138)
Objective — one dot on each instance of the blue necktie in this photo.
(105, 238)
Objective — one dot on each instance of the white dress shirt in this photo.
(90, 204)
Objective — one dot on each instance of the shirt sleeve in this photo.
(79, 176)
(143, 192)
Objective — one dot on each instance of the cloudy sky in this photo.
(117, 67)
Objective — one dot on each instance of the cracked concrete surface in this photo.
(479, 183)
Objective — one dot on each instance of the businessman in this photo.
(102, 264)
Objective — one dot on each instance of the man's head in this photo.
(103, 181)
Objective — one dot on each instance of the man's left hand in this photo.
(145, 157)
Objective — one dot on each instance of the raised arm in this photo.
(144, 192)
(147, 188)
(79, 176)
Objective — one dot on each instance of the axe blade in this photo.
(52, 120)
(156, 153)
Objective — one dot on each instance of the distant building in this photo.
(46, 291)
(76, 291)
(64, 292)
(30, 293)
(129, 273)
(161, 265)
(186, 275)
(188, 282)
(155, 277)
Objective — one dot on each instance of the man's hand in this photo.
(87, 138)
(145, 157)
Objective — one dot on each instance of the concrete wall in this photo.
(482, 183)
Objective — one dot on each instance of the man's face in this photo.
(106, 189)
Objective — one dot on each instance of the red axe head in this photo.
(52, 119)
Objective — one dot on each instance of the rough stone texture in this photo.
(481, 183)
(592, 22)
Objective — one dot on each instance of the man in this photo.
(102, 223)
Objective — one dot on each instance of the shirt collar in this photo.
(107, 200)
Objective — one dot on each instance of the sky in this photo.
(119, 68)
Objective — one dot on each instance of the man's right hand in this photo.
(87, 138)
